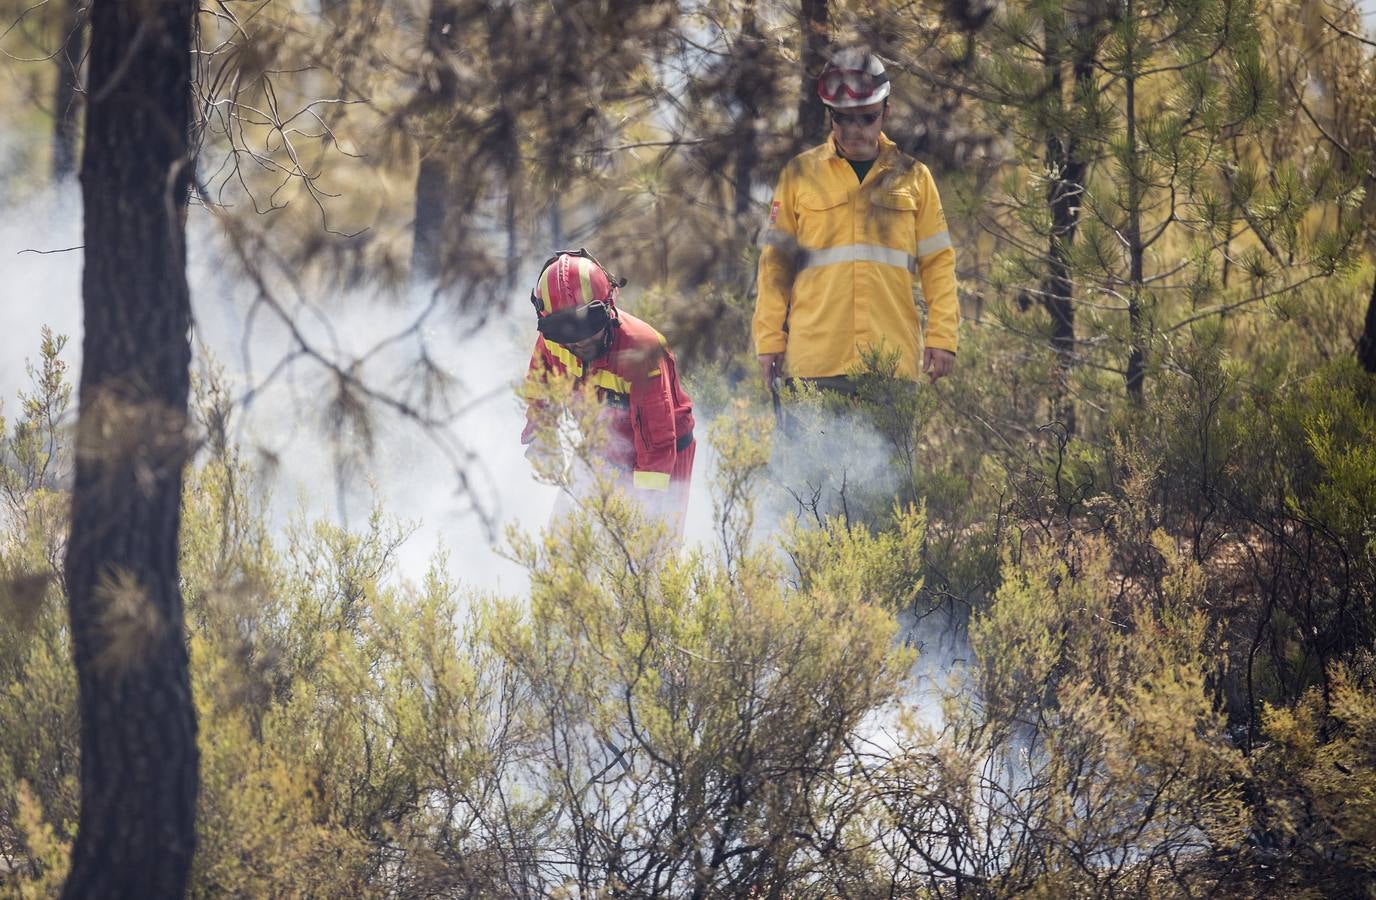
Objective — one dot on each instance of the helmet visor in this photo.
(569, 326)
(848, 84)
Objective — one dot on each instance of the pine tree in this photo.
(139, 778)
(1149, 190)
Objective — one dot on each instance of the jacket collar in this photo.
(887, 149)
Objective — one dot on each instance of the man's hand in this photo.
(937, 363)
(771, 367)
(544, 458)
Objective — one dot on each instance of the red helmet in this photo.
(571, 278)
(575, 297)
(853, 77)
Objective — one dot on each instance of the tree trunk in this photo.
(432, 181)
(556, 223)
(1137, 354)
(1366, 345)
(748, 89)
(136, 832)
(432, 186)
(1067, 167)
(66, 98)
(1066, 160)
(812, 114)
(335, 12)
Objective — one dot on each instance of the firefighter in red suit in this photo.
(624, 365)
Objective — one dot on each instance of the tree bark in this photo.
(335, 12)
(556, 222)
(748, 89)
(1366, 345)
(66, 98)
(432, 180)
(1137, 353)
(1067, 162)
(812, 114)
(1063, 198)
(432, 185)
(136, 831)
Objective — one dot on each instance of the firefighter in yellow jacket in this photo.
(850, 224)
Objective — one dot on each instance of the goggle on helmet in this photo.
(853, 77)
(574, 297)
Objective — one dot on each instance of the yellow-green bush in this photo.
(745, 717)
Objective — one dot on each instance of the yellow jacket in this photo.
(836, 271)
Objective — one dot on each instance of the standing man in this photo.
(851, 222)
(625, 366)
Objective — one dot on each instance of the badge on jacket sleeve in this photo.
(774, 212)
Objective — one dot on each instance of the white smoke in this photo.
(40, 282)
(407, 474)
(411, 470)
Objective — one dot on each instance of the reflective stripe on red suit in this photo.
(643, 406)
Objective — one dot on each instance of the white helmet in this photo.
(853, 77)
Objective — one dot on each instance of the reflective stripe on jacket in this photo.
(836, 271)
(644, 409)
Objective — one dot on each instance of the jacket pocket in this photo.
(817, 201)
(900, 200)
(893, 219)
(646, 437)
(824, 219)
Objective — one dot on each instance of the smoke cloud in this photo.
(286, 422)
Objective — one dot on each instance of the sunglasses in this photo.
(577, 325)
(865, 119)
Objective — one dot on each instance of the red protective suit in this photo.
(648, 417)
